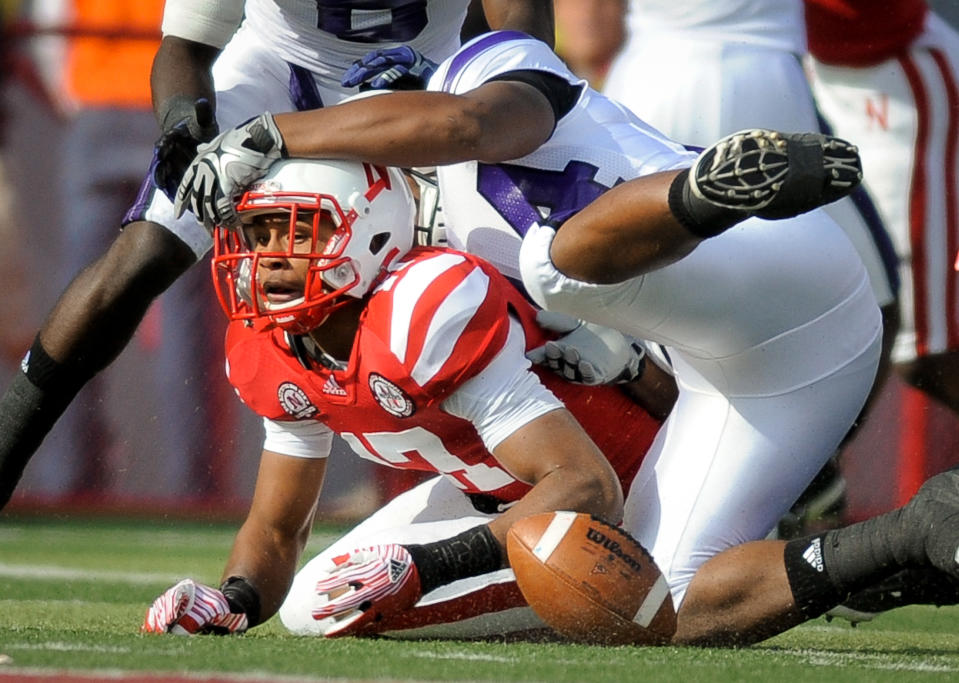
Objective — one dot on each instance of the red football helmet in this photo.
(372, 210)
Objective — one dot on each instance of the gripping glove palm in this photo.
(587, 353)
(190, 608)
(185, 123)
(362, 587)
(224, 168)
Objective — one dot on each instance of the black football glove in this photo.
(184, 123)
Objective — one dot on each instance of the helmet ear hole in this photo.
(378, 241)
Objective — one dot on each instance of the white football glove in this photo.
(224, 167)
(587, 353)
(362, 587)
(189, 608)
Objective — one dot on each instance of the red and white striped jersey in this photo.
(435, 323)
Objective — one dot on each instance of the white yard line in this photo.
(59, 573)
(868, 661)
(465, 656)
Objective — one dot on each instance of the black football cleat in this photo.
(776, 175)
(912, 586)
(932, 515)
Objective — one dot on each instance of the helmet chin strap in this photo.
(307, 351)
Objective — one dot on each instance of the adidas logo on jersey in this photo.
(813, 555)
(331, 387)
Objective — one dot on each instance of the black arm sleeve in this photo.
(561, 94)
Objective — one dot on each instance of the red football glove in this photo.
(364, 586)
(189, 608)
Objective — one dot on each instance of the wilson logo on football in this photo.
(390, 397)
(614, 548)
(295, 402)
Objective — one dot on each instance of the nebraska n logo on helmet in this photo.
(372, 210)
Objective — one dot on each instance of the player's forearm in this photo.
(267, 559)
(568, 472)
(182, 67)
(482, 549)
(411, 129)
(564, 489)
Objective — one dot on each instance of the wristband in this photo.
(471, 553)
(45, 372)
(174, 109)
(242, 598)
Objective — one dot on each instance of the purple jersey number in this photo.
(518, 193)
(372, 21)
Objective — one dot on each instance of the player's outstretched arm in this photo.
(262, 562)
(495, 122)
(183, 102)
(401, 129)
(194, 33)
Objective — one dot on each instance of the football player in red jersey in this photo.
(416, 358)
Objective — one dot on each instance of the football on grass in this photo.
(589, 580)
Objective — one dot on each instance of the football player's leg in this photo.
(86, 330)
(97, 314)
(649, 222)
(486, 605)
(721, 475)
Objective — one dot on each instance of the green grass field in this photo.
(73, 593)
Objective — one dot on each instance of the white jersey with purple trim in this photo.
(326, 36)
(776, 24)
(599, 143)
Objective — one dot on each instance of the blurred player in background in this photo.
(210, 70)
(888, 78)
(589, 33)
(698, 70)
(13, 262)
